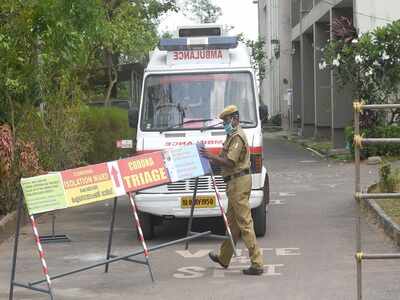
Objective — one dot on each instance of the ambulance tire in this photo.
(147, 224)
(260, 220)
(259, 213)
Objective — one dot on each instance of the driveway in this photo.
(308, 249)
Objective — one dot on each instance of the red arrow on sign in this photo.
(114, 174)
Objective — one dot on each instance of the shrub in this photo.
(57, 134)
(276, 120)
(390, 131)
(389, 179)
(104, 126)
(17, 159)
(64, 135)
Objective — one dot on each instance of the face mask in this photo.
(228, 128)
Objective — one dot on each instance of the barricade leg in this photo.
(228, 230)
(139, 228)
(15, 251)
(41, 255)
(53, 237)
(189, 230)
(110, 235)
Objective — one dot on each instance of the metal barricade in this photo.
(359, 141)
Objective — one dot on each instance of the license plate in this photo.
(201, 202)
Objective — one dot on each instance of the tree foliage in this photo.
(202, 11)
(258, 56)
(51, 53)
(370, 62)
(48, 47)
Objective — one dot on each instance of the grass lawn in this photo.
(391, 207)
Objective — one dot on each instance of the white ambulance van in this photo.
(187, 83)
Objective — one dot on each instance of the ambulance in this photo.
(187, 83)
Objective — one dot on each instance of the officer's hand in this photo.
(205, 153)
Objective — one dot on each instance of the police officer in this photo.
(235, 163)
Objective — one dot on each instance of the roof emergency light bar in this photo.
(198, 43)
(200, 30)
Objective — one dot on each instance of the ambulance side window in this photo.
(239, 92)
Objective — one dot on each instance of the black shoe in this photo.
(253, 271)
(214, 257)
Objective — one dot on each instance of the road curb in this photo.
(323, 156)
(390, 228)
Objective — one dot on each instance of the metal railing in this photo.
(359, 141)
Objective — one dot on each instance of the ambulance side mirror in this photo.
(133, 117)
(263, 111)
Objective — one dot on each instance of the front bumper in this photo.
(169, 205)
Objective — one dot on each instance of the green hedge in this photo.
(390, 131)
(105, 126)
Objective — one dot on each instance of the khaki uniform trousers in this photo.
(240, 221)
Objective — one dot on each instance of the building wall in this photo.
(370, 14)
(322, 79)
(325, 108)
(268, 11)
(275, 30)
(319, 107)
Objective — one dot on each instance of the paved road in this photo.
(308, 250)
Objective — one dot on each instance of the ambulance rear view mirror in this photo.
(263, 111)
(133, 117)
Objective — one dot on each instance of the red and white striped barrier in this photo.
(139, 229)
(41, 252)
(221, 207)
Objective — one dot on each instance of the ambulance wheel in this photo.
(147, 224)
(259, 214)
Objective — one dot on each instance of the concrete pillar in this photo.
(307, 87)
(341, 97)
(285, 42)
(295, 12)
(322, 80)
(296, 78)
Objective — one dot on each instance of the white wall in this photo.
(369, 14)
(274, 16)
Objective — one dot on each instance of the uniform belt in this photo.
(241, 173)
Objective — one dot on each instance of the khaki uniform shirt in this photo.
(236, 149)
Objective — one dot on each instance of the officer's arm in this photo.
(221, 161)
(232, 156)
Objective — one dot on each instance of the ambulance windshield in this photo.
(193, 101)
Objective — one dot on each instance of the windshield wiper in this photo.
(211, 126)
(183, 123)
(196, 120)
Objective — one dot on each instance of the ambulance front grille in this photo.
(204, 185)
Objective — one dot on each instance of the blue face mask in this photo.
(228, 128)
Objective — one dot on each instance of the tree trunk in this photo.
(112, 75)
